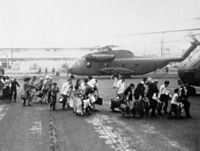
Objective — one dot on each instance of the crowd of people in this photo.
(81, 97)
(147, 98)
(142, 99)
(8, 88)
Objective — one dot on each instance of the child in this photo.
(78, 101)
(54, 90)
(174, 104)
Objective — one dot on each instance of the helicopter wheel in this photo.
(191, 91)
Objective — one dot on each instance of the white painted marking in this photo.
(36, 129)
(114, 137)
(113, 132)
(3, 108)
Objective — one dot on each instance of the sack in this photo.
(71, 103)
(61, 99)
(99, 101)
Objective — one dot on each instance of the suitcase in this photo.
(115, 103)
(99, 101)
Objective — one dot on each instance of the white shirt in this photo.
(120, 86)
(65, 88)
(115, 82)
(175, 99)
(92, 83)
(163, 90)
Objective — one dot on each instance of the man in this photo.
(184, 99)
(66, 92)
(152, 94)
(174, 104)
(14, 85)
(163, 97)
(120, 87)
(129, 101)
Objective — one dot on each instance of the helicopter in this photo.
(123, 62)
(189, 71)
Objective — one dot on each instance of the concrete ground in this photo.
(36, 128)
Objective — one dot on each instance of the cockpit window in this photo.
(88, 64)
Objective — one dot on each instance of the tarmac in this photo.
(37, 128)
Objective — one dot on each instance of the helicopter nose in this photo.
(69, 70)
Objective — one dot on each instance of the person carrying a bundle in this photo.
(53, 94)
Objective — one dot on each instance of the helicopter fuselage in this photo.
(125, 66)
(189, 69)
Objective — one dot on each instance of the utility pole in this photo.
(162, 44)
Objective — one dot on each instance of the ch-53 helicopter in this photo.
(189, 70)
(121, 61)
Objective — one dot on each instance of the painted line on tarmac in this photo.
(36, 129)
(114, 136)
(117, 135)
(157, 136)
(3, 110)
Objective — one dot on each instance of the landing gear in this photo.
(191, 91)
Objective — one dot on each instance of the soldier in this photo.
(14, 85)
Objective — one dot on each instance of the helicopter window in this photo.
(88, 64)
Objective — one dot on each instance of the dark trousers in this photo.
(53, 102)
(164, 99)
(65, 97)
(153, 105)
(13, 94)
(174, 110)
(187, 108)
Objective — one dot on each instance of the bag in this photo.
(99, 101)
(61, 99)
(71, 103)
(40, 94)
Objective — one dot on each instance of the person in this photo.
(46, 71)
(27, 91)
(129, 101)
(14, 85)
(66, 92)
(53, 94)
(164, 95)
(174, 104)
(47, 84)
(53, 71)
(184, 99)
(92, 90)
(115, 76)
(139, 95)
(152, 94)
(7, 87)
(120, 87)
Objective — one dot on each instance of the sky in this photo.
(88, 23)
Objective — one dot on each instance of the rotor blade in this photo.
(162, 32)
